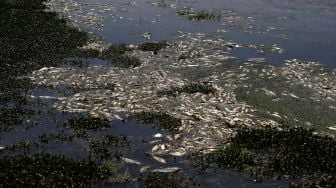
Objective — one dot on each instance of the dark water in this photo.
(49, 121)
(305, 29)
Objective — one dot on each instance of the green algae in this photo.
(159, 119)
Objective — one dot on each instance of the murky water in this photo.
(304, 29)
(296, 28)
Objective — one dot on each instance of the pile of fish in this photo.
(86, 16)
(208, 119)
(312, 75)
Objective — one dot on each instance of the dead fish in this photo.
(158, 135)
(177, 153)
(155, 148)
(166, 170)
(2, 147)
(144, 169)
(147, 35)
(131, 161)
(161, 160)
(332, 128)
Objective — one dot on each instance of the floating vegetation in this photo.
(46, 170)
(294, 102)
(198, 15)
(163, 180)
(26, 4)
(125, 61)
(225, 158)
(115, 50)
(31, 39)
(189, 89)
(152, 46)
(46, 138)
(86, 53)
(13, 93)
(23, 147)
(293, 151)
(118, 57)
(88, 123)
(159, 119)
(110, 147)
(12, 116)
(272, 152)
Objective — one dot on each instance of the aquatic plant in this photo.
(293, 151)
(224, 158)
(162, 180)
(297, 110)
(199, 15)
(115, 50)
(153, 46)
(31, 39)
(26, 4)
(12, 116)
(86, 53)
(125, 61)
(116, 54)
(46, 170)
(88, 123)
(274, 152)
(46, 138)
(190, 89)
(110, 147)
(159, 119)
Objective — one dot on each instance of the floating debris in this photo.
(332, 128)
(131, 161)
(160, 159)
(257, 60)
(198, 15)
(166, 170)
(158, 135)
